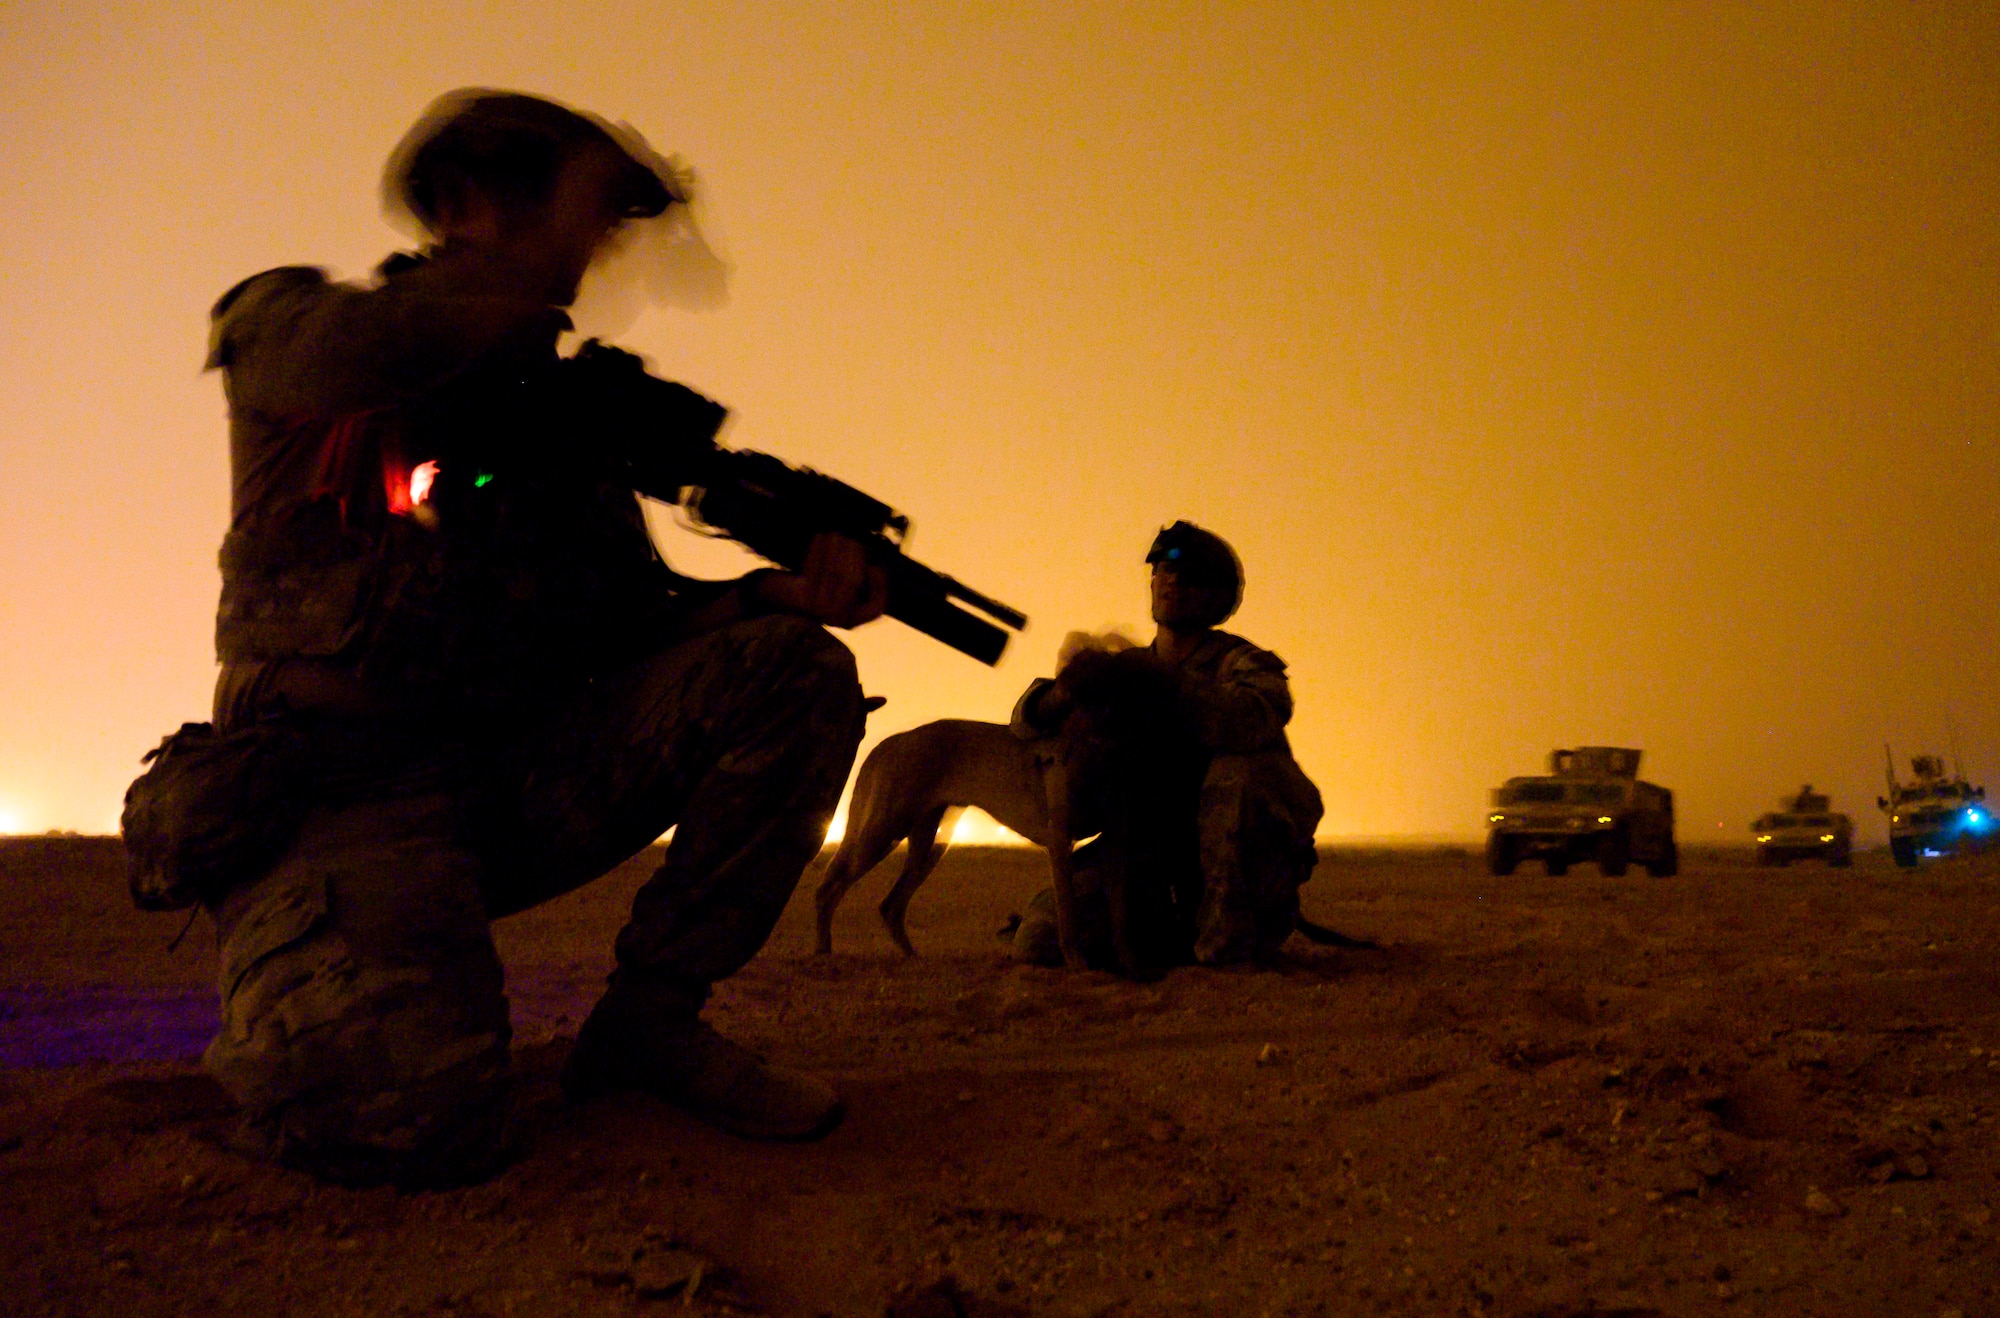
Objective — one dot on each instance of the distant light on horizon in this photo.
(10, 823)
(976, 828)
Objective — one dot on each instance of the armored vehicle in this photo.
(1935, 815)
(1803, 826)
(1589, 806)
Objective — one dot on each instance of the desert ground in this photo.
(1738, 1091)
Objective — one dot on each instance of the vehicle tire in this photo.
(1764, 859)
(1557, 866)
(1667, 863)
(1841, 859)
(1614, 852)
(1904, 849)
(1500, 857)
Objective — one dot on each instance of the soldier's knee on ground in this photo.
(385, 1096)
(1250, 918)
(1037, 942)
(364, 1027)
(1038, 938)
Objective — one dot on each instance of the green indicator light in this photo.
(482, 480)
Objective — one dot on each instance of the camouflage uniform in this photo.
(364, 1020)
(1256, 812)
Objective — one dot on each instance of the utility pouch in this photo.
(296, 584)
(213, 810)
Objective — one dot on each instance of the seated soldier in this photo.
(1255, 811)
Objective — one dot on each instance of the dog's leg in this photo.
(1115, 889)
(925, 853)
(860, 851)
(826, 898)
(1062, 864)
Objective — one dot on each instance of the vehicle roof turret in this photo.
(1594, 762)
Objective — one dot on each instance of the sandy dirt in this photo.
(1741, 1091)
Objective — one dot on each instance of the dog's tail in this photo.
(1326, 937)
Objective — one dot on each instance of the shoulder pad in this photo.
(1242, 653)
(285, 274)
(241, 299)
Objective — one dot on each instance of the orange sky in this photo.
(1563, 373)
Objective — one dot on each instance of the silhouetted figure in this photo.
(438, 580)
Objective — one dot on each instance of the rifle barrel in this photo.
(775, 509)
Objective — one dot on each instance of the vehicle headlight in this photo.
(1496, 819)
(1604, 819)
(1763, 837)
(1826, 837)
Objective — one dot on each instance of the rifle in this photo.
(772, 507)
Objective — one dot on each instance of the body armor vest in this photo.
(465, 550)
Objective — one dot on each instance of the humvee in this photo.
(1804, 826)
(1589, 806)
(1935, 815)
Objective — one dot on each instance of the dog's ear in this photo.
(1084, 670)
(1074, 644)
(1110, 640)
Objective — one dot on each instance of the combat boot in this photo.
(691, 1066)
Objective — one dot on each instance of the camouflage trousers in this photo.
(1256, 818)
(1254, 822)
(364, 1022)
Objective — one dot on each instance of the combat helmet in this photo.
(1200, 558)
(514, 144)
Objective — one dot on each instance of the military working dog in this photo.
(1121, 769)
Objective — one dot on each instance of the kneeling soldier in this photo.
(438, 582)
(1256, 809)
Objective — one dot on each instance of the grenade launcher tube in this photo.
(763, 502)
(776, 509)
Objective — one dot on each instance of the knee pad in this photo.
(351, 1045)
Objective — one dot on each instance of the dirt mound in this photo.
(1775, 1090)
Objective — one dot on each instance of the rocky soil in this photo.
(1738, 1091)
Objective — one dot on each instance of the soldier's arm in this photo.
(1244, 707)
(299, 345)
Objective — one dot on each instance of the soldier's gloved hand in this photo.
(837, 586)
